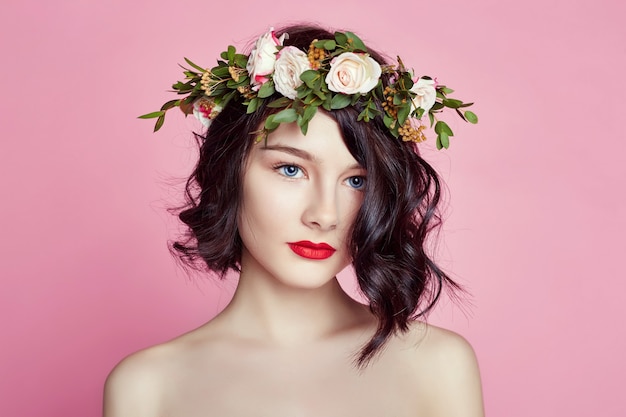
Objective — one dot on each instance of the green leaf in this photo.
(364, 115)
(319, 83)
(198, 67)
(279, 102)
(341, 38)
(407, 82)
(321, 95)
(309, 77)
(240, 60)
(471, 117)
(329, 45)
(285, 116)
(443, 140)
(230, 53)
(243, 82)
(446, 90)
(252, 105)
(218, 90)
(260, 135)
(220, 72)
(403, 113)
(389, 121)
(357, 43)
(437, 106)
(377, 92)
(183, 88)
(159, 122)
(270, 124)
(340, 101)
(442, 127)
(170, 104)
(303, 91)
(309, 98)
(308, 114)
(267, 89)
(228, 96)
(152, 115)
(327, 104)
(304, 126)
(452, 103)
(316, 101)
(431, 117)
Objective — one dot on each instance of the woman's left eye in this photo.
(291, 171)
(356, 182)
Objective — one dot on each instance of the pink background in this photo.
(537, 207)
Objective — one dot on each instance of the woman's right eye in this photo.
(291, 171)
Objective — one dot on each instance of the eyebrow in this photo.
(301, 154)
(292, 151)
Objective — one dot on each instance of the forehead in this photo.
(323, 142)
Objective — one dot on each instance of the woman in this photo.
(309, 164)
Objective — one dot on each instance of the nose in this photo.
(322, 211)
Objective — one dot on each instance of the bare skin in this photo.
(217, 371)
(285, 346)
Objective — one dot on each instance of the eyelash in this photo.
(281, 167)
(361, 185)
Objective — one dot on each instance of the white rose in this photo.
(262, 58)
(426, 94)
(352, 73)
(205, 110)
(290, 64)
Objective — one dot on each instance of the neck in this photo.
(267, 309)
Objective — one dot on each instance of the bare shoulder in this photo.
(142, 384)
(448, 371)
(133, 387)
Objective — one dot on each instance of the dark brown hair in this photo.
(402, 192)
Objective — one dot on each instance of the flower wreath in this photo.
(333, 74)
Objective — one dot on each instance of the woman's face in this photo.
(301, 195)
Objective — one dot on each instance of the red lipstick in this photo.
(312, 250)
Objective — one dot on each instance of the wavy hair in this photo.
(388, 244)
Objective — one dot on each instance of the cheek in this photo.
(266, 205)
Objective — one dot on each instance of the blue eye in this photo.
(289, 170)
(356, 182)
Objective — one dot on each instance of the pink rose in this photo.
(425, 94)
(262, 58)
(290, 64)
(205, 110)
(352, 73)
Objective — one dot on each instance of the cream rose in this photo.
(290, 64)
(426, 94)
(352, 73)
(262, 58)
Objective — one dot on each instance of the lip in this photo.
(310, 250)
